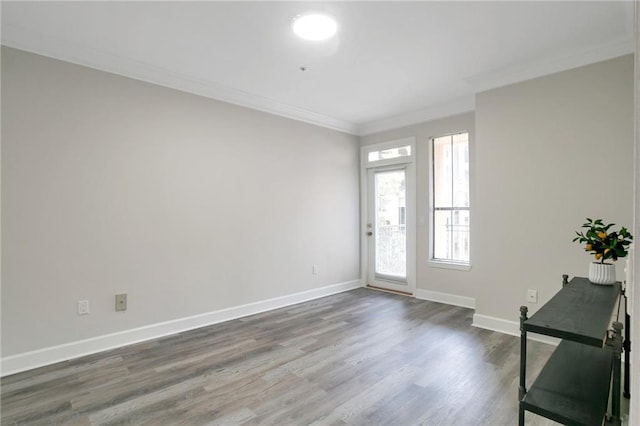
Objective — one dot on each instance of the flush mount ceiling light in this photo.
(314, 26)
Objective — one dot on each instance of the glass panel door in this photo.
(388, 228)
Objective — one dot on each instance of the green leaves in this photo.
(602, 243)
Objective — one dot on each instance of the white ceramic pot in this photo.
(602, 273)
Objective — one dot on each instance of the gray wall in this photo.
(187, 204)
(545, 153)
(191, 205)
(549, 153)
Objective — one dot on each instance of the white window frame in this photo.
(443, 263)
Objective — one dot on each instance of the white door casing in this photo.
(399, 158)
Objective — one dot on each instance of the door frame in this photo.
(409, 163)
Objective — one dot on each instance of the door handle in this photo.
(369, 233)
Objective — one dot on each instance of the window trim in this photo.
(449, 264)
(431, 261)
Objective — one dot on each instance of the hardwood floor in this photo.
(361, 357)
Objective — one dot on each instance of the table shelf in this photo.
(580, 312)
(573, 386)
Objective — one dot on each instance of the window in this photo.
(387, 154)
(450, 211)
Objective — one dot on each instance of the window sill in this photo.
(449, 265)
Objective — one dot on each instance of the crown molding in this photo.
(506, 76)
(34, 42)
(448, 109)
(503, 77)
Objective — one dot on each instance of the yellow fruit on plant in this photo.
(598, 256)
(606, 251)
(601, 235)
(588, 247)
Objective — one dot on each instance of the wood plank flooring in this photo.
(361, 357)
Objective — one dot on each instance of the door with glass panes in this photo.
(389, 215)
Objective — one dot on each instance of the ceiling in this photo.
(391, 63)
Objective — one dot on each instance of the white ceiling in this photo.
(391, 64)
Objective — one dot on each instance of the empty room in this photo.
(319, 213)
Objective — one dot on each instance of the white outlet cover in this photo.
(83, 307)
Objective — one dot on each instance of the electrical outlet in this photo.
(316, 270)
(83, 307)
(532, 296)
(121, 302)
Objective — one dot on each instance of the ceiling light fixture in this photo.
(314, 26)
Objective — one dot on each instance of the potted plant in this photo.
(604, 244)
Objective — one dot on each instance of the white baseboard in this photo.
(509, 327)
(41, 357)
(449, 299)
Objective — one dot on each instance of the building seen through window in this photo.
(450, 211)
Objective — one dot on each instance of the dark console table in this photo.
(573, 386)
